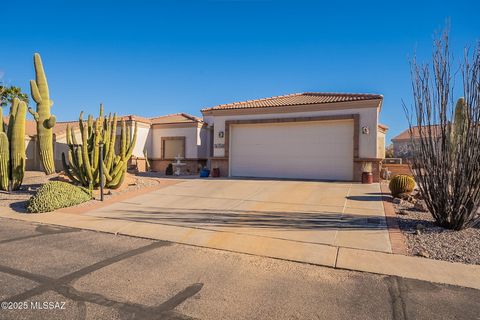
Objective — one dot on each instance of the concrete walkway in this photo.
(338, 225)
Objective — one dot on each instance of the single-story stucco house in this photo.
(323, 136)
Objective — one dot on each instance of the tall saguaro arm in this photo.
(45, 120)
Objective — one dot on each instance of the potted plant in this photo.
(367, 176)
(204, 173)
(216, 172)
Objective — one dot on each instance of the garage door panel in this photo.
(305, 150)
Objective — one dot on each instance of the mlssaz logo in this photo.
(47, 305)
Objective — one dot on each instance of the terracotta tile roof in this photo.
(297, 99)
(405, 135)
(176, 118)
(136, 118)
(382, 127)
(30, 126)
(61, 127)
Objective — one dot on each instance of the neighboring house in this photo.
(175, 135)
(402, 143)
(302, 136)
(164, 138)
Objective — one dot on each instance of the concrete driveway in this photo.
(329, 213)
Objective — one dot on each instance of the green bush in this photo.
(401, 184)
(55, 195)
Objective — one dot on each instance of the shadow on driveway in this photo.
(250, 219)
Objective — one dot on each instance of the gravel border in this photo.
(424, 238)
(17, 200)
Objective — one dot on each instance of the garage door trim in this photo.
(356, 128)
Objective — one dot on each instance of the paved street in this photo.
(103, 276)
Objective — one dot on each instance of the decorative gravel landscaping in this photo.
(425, 239)
(34, 179)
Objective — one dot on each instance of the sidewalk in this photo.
(330, 256)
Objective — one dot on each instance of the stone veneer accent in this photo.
(376, 168)
(222, 164)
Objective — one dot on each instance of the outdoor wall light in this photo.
(365, 130)
(221, 134)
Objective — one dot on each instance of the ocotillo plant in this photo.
(82, 166)
(446, 148)
(12, 146)
(45, 121)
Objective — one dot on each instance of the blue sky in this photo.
(157, 57)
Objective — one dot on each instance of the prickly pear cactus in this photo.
(45, 121)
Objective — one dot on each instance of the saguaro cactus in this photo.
(45, 121)
(83, 162)
(12, 147)
(460, 123)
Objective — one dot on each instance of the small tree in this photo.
(446, 155)
(7, 94)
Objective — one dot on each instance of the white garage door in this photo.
(301, 150)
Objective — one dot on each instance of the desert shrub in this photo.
(55, 195)
(446, 148)
(401, 184)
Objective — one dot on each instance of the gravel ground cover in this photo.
(34, 179)
(424, 238)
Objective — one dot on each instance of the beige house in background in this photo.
(322, 136)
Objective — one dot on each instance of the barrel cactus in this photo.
(45, 121)
(401, 184)
(12, 147)
(83, 165)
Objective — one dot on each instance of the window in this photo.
(172, 147)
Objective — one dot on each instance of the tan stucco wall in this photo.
(368, 118)
(191, 140)
(381, 145)
(144, 140)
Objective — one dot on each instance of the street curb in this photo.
(327, 256)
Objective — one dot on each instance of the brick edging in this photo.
(397, 239)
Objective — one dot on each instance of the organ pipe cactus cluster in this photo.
(45, 121)
(12, 146)
(83, 165)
